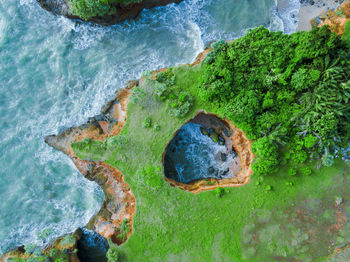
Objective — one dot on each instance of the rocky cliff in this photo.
(122, 12)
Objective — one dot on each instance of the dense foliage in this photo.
(289, 93)
(86, 9)
(180, 102)
(112, 253)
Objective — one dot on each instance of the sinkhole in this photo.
(202, 149)
(92, 247)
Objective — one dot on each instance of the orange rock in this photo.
(104, 126)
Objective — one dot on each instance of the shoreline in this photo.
(310, 9)
(119, 203)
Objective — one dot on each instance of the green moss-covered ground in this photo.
(270, 219)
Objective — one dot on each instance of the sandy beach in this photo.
(311, 9)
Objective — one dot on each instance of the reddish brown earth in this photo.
(119, 203)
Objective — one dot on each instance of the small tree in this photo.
(112, 253)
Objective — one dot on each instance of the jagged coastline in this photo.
(119, 204)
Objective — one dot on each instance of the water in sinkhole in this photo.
(193, 155)
(92, 247)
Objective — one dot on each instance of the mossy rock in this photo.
(215, 137)
(204, 131)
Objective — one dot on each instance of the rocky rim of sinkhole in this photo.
(207, 152)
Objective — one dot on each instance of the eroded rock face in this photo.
(119, 203)
(207, 152)
(62, 7)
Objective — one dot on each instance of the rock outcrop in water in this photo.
(119, 203)
(64, 247)
(118, 207)
(123, 12)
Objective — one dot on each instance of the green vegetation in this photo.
(112, 253)
(124, 229)
(57, 251)
(289, 93)
(277, 89)
(151, 176)
(346, 35)
(180, 101)
(219, 191)
(86, 9)
(147, 123)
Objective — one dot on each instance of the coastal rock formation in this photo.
(64, 247)
(123, 12)
(119, 203)
(335, 19)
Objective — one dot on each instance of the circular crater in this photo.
(205, 153)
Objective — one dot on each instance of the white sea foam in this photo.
(194, 154)
(55, 73)
(288, 11)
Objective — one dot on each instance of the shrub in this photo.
(306, 171)
(292, 172)
(217, 47)
(112, 253)
(119, 141)
(268, 188)
(137, 95)
(219, 191)
(156, 127)
(167, 77)
(327, 159)
(147, 123)
(86, 9)
(124, 229)
(182, 105)
(161, 91)
(310, 141)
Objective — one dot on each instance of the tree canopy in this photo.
(289, 93)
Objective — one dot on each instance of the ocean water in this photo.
(55, 73)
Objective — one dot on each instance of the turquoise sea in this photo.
(55, 73)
